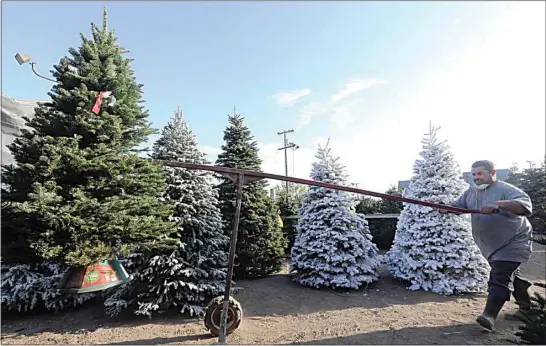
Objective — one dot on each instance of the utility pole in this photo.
(285, 147)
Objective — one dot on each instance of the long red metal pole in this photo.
(236, 172)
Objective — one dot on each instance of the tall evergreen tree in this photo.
(533, 332)
(388, 206)
(195, 273)
(532, 180)
(333, 246)
(382, 229)
(77, 189)
(368, 205)
(260, 243)
(433, 251)
(289, 204)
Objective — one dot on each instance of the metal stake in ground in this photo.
(231, 259)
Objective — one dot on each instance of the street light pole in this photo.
(32, 64)
(26, 59)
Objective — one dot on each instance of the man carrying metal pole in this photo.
(503, 234)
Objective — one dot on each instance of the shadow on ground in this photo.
(460, 334)
(280, 296)
(87, 318)
(162, 341)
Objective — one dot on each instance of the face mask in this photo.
(482, 186)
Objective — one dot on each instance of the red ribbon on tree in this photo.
(103, 95)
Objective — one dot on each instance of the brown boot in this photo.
(492, 308)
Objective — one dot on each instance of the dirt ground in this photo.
(279, 311)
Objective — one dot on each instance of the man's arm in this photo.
(513, 207)
(459, 203)
(517, 202)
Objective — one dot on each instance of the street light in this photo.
(24, 59)
(294, 146)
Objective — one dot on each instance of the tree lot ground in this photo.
(279, 311)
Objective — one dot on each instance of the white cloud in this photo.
(288, 98)
(211, 152)
(340, 105)
(310, 110)
(354, 87)
(343, 115)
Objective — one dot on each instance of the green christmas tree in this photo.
(387, 206)
(533, 332)
(260, 243)
(289, 204)
(79, 192)
(532, 180)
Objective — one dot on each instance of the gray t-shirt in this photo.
(502, 236)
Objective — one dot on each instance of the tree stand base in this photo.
(213, 312)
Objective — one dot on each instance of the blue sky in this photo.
(370, 75)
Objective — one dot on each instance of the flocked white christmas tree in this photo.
(333, 247)
(190, 277)
(433, 251)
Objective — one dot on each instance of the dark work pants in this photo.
(505, 278)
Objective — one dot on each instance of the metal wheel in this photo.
(213, 313)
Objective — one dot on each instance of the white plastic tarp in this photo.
(13, 111)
